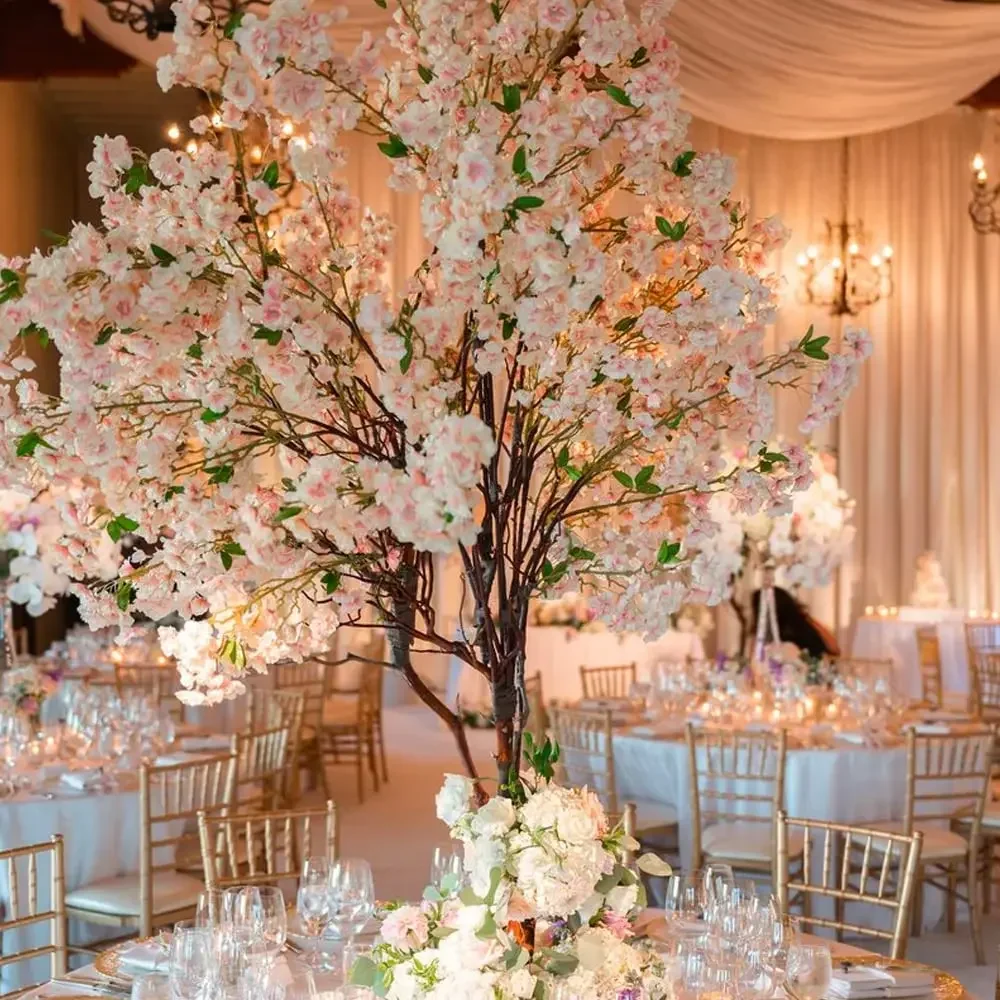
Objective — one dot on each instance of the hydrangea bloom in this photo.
(545, 395)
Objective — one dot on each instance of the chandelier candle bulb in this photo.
(812, 252)
(978, 163)
(173, 132)
(887, 252)
(192, 148)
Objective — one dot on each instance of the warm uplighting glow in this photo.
(869, 611)
(173, 132)
(192, 147)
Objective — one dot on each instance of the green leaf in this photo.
(668, 552)
(638, 57)
(577, 552)
(227, 551)
(526, 202)
(269, 175)
(672, 230)
(330, 581)
(573, 472)
(163, 256)
(511, 98)
(105, 335)
(407, 359)
(562, 459)
(775, 457)
(651, 489)
(509, 326)
(28, 443)
(173, 491)
(59, 239)
(394, 147)
(235, 20)
(7, 275)
(682, 164)
(120, 525)
(674, 420)
(425, 74)
(644, 475)
(364, 969)
(227, 560)
(273, 337)
(624, 478)
(381, 3)
(39, 331)
(195, 351)
(653, 865)
(520, 162)
(618, 95)
(124, 595)
(495, 10)
(136, 177)
(806, 337)
(288, 511)
(488, 930)
(219, 473)
(626, 324)
(209, 416)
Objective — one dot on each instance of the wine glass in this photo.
(209, 911)
(192, 961)
(685, 900)
(718, 878)
(809, 971)
(315, 870)
(352, 896)
(269, 919)
(313, 907)
(447, 869)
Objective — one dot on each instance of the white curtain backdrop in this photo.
(788, 69)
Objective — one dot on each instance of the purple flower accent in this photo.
(777, 668)
(720, 661)
(629, 993)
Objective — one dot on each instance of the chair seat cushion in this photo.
(939, 843)
(114, 896)
(340, 710)
(746, 840)
(650, 816)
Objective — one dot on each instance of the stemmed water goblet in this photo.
(352, 897)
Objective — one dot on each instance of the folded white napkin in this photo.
(866, 982)
(146, 956)
(931, 729)
(82, 779)
(859, 739)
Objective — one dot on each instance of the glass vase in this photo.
(7, 648)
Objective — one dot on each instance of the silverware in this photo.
(108, 990)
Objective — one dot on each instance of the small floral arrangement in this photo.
(26, 688)
(549, 902)
(569, 611)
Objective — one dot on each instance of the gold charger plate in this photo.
(109, 962)
(946, 986)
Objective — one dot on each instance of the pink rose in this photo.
(406, 928)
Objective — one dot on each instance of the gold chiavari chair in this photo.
(170, 798)
(613, 683)
(982, 641)
(737, 782)
(587, 757)
(263, 848)
(347, 733)
(149, 680)
(262, 760)
(280, 709)
(947, 784)
(929, 654)
(538, 722)
(312, 679)
(23, 909)
(884, 877)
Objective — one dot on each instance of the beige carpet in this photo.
(396, 830)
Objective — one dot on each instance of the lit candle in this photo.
(811, 252)
(802, 260)
(192, 148)
(869, 611)
(887, 252)
(978, 163)
(836, 263)
(854, 249)
(173, 132)
(876, 260)
(982, 176)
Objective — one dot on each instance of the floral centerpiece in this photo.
(569, 611)
(546, 859)
(25, 690)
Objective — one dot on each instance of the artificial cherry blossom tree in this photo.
(547, 394)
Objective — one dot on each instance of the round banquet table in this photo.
(559, 652)
(844, 784)
(100, 840)
(895, 638)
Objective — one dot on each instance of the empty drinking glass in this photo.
(313, 907)
(352, 896)
(809, 970)
(192, 961)
(151, 986)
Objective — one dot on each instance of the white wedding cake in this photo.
(930, 589)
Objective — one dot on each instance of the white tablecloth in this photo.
(848, 784)
(560, 652)
(101, 840)
(896, 639)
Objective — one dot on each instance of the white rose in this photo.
(576, 826)
(542, 810)
(622, 898)
(495, 818)
(481, 857)
(454, 799)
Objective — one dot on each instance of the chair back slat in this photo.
(263, 848)
(586, 752)
(859, 865)
(311, 678)
(261, 767)
(612, 683)
(983, 649)
(28, 910)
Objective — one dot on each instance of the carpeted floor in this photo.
(397, 831)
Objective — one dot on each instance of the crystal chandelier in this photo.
(842, 274)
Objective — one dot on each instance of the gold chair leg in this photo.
(918, 902)
(975, 913)
(952, 900)
(381, 750)
(989, 850)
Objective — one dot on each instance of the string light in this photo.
(174, 132)
(192, 148)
